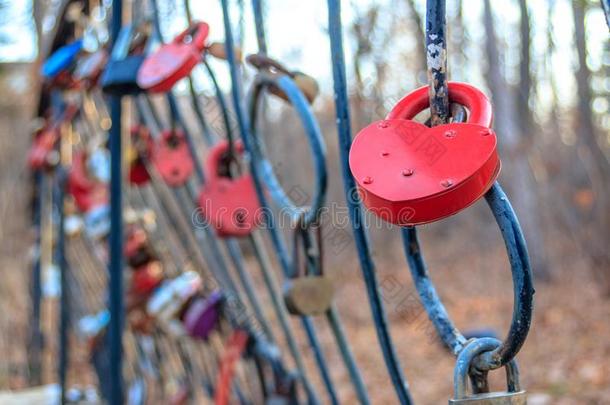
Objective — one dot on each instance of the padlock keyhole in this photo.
(228, 166)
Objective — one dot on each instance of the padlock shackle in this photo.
(215, 155)
(465, 362)
(198, 30)
(264, 172)
(261, 62)
(477, 103)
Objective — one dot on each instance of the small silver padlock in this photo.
(513, 396)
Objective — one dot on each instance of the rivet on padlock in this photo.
(463, 369)
(174, 60)
(230, 205)
(428, 175)
(172, 158)
(310, 294)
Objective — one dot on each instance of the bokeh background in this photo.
(546, 66)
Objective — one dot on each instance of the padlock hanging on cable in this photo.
(229, 204)
(409, 174)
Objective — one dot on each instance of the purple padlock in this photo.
(202, 315)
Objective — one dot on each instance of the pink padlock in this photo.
(172, 158)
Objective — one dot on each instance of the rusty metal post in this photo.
(436, 60)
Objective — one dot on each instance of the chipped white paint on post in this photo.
(434, 56)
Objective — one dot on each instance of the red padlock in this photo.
(41, 152)
(142, 148)
(234, 350)
(144, 280)
(230, 205)
(87, 192)
(409, 174)
(137, 247)
(172, 158)
(175, 60)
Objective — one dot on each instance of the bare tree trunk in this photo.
(521, 179)
(525, 76)
(587, 137)
(457, 38)
(420, 48)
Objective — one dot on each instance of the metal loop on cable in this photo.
(522, 285)
(264, 168)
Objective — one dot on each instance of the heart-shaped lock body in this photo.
(137, 248)
(87, 192)
(42, 149)
(202, 315)
(230, 205)
(409, 174)
(141, 148)
(175, 60)
(309, 295)
(172, 159)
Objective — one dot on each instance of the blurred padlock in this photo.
(172, 158)
(174, 60)
(169, 299)
(202, 315)
(229, 204)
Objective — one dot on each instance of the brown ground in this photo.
(566, 359)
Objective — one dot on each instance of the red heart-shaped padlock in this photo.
(87, 192)
(142, 148)
(410, 174)
(175, 60)
(172, 158)
(230, 205)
